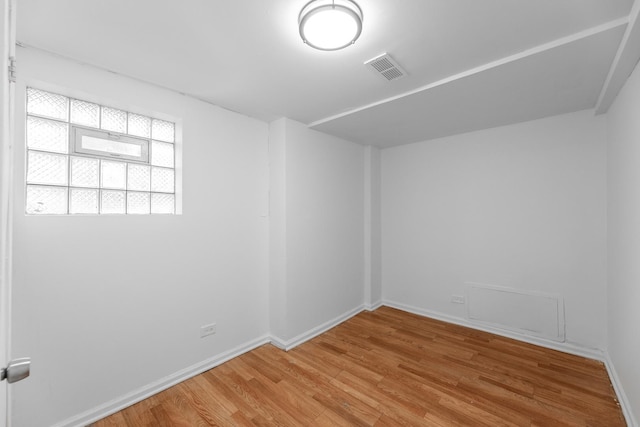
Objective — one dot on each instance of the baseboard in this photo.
(149, 390)
(287, 345)
(625, 405)
(577, 350)
(602, 356)
(373, 306)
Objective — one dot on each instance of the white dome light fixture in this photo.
(330, 24)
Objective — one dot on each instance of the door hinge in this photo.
(12, 69)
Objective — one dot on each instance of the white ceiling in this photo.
(472, 64)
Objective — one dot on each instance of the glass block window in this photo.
(86, 158)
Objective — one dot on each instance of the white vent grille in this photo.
(385, 67)
(526, 312)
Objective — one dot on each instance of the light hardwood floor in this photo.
(390, 368)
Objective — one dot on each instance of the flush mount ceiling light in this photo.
(330, 24)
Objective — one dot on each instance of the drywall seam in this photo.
(102, 411)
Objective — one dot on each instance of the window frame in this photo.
(77, 132)
(162, 197)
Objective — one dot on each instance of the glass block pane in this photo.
(137, 203)
(85, 172)
(114, 120)
(162, 203)
(161, 154)
(47, 135)
(113, 202)
(162, 131)
(85, 113)
(44, 168)
(47, 104)
(138, 178)
(139, 125)
(83, 201)
(46, 200)
(113, 174)
(162, 180)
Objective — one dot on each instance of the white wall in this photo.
(277, 229)
(519, 206)
(372, 228)
(106, 305)
(623, 167)
(321, 239)
(325, 202)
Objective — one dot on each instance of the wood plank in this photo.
(390, 368)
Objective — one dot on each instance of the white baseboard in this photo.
(577, 350)
(312, 333)
(149, 390)
(373, 306)
(625, 405)
(120, 403)
(602, 356)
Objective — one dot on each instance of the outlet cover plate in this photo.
(457, 299)
(207, 330)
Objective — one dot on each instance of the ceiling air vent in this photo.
(385, 67)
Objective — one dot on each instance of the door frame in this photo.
(7, 97)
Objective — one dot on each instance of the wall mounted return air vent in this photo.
(385, 67)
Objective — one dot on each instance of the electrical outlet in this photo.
(457, 299)
(207, 330)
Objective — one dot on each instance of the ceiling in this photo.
(471, 64)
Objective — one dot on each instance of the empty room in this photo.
(320, 213)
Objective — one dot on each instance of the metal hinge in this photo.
(12, 69)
